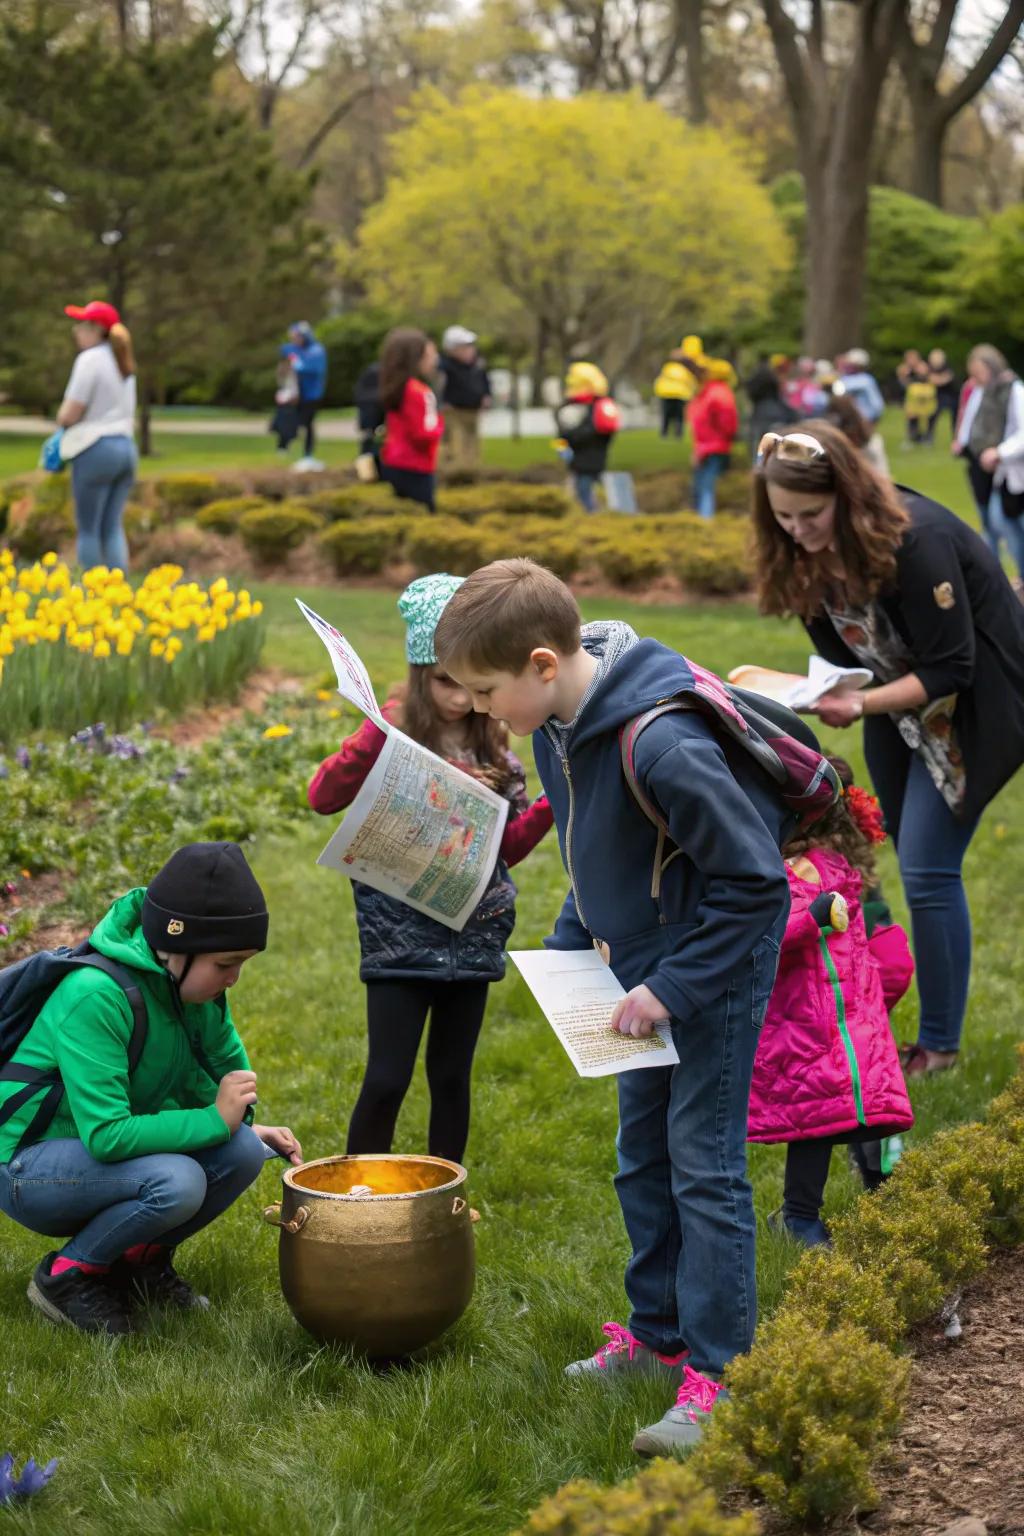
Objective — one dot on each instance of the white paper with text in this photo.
(577, 993)
(421, 830)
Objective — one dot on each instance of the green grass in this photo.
(633, 450)
(237, 1421)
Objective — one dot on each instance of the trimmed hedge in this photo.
(666, 1499)
(222, 516)
(181, 494)
(269, 532)
(821, 1390)
(507, 498)
(362, 548)
(43, 523)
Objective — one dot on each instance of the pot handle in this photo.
(459, 1205)
(272, 1216)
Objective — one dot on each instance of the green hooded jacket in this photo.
(83, 1030)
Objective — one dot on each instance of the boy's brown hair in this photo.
(502, 613)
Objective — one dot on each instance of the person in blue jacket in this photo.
(861, 385)
(701, 952)
(309, 360)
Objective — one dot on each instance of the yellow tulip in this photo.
(101, 648)
(276, 732)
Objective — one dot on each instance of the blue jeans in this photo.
(682, 1179)
(705, 479)
(584, 486)
(101, 479)
(996, 526)
(930, 845)
(57, 1189)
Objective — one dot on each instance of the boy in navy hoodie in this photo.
(702, 954)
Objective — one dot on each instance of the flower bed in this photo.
(99, 648)
(104, 809)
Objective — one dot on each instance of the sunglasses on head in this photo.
(794, 448)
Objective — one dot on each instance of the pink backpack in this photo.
(771, 733)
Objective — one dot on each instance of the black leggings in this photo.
(396, 1012)
(807, 1172)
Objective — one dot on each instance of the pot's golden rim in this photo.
(305, 1192)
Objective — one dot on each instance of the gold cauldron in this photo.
(375, 1252)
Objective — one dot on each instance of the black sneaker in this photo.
(93, 1303)
(158, 1284)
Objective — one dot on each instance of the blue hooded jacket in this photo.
(310, 365)
(723, 893)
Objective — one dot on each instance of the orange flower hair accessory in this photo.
(866, 812)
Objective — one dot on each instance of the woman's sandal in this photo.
(917, 1061)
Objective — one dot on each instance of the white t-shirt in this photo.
(108, 398)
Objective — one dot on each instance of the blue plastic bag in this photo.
(49, 457)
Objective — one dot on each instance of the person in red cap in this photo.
(98, 418)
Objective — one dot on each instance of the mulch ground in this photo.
(961, 1448)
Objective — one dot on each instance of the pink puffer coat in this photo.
(822, 1068)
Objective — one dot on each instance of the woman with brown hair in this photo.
(98, 418)
(884, 578)
(413, 425)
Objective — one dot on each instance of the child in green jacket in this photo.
(132, 1164)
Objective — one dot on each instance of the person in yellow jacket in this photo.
(674, 386)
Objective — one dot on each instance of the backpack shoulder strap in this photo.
(133, 992)
(628, 738)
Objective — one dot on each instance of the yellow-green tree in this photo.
(599, 223)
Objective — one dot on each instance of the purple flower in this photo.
(4, 930)
(33, 1480)
(5, 772)
(23, 757)
(178, 776)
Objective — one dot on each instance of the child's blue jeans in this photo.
(101, 480)
(682, 1179)
(705, 481)
(57, 1189)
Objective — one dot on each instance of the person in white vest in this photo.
(98, 418)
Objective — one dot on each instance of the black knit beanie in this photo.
(204, 901)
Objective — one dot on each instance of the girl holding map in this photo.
(412, 965)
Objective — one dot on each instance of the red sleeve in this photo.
(891, 953)
(340, 777)
(524, 832)
(606, 417)
(424, 422)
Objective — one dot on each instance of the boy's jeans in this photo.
(682, 1179)
(705, 481)
(57, 1188)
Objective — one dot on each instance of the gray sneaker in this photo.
(624, 1355)
(682, 1428)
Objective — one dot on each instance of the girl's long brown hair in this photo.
(838, 831)
(486, 739)
(400, 360)
(870, 524)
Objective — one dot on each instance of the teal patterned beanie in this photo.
(421, 605)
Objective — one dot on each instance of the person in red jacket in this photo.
(413, 425)
(714, 423)
(412, 965)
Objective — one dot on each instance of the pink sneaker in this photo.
(683, 1426)
(624, 1354)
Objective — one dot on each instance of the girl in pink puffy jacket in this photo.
(827, 1069)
